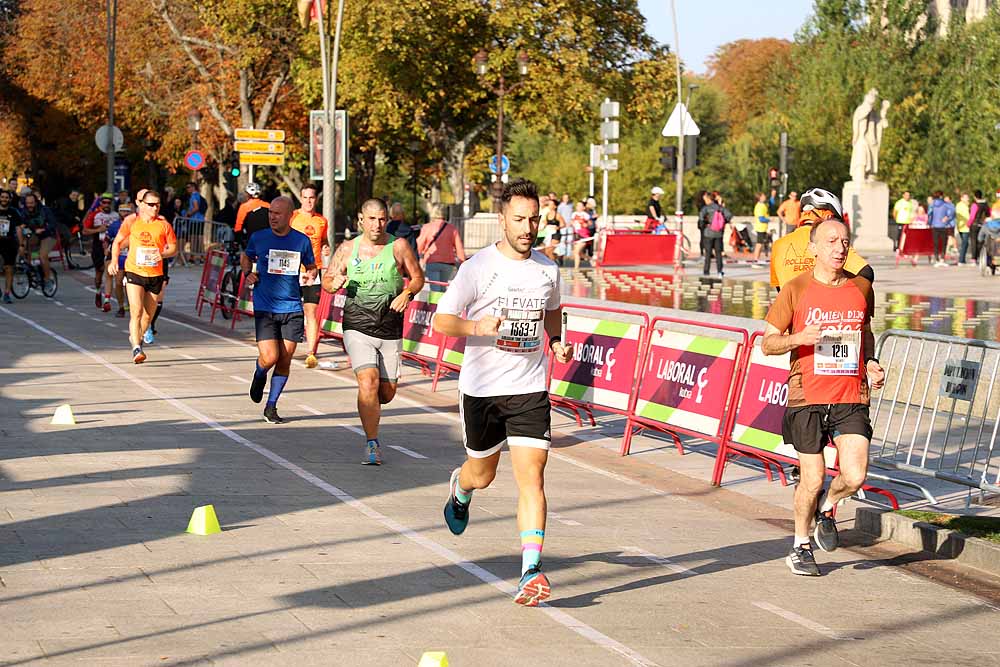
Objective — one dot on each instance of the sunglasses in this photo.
(152, 204)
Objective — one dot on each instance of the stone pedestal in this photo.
(867, 204)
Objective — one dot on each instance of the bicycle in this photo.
(229, 292)
(29, 275)
(77, 249)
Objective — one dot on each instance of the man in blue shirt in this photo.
(941, 215)
(278, 253)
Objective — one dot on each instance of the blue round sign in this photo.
(504, 164)
(194, 160)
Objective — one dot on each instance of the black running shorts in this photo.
(8, 250)
(310, 293)
(279, 326)
(152, 284)
(522, 420)
(811, 427)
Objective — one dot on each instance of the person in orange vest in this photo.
(791, 256)
(252, 215)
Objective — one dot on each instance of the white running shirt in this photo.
(520, 291)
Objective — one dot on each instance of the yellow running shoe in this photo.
(311, 361)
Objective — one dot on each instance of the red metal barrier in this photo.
(687, 381)
(628, 248)
(451, 354)
(210, 288)
(421, 343)
(754, 430)
(244, 301)
(330, 312)
(915, 243)
(606, 353)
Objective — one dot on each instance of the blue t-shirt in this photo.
(278, 260)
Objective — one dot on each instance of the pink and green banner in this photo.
(332, 318)
(687, 380)
(419, 338)
(605, 354)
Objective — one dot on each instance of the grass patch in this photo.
(986, 527)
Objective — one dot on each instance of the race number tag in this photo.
(521, 330)
(147, 256)
(837, 353)
(102, 236)
(4, 227)
(283, 262)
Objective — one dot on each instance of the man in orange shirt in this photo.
(313, 225)
(252, 215)
(823, 318)
(150, 240)
(789, 211)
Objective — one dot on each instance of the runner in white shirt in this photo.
(504, 300)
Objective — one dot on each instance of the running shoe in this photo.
(311, 361)
(800, 561)
(6, 298)
(50, 285)
(98, 300)
(138, 356)
(147, 338)
(271, 415)
(120, 313)
(373, 454)
(257, 388)
(456, 513)
(825, 533)
(106, 307)
(533, 587)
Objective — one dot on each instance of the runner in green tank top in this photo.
(372, 268)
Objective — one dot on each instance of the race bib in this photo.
(102, 236)
(521, 330)
(837, 353)
(4, 227)
(148, 257)
(283, 262)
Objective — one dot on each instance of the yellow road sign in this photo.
(262, 158)
(259, 147)
(243, 134)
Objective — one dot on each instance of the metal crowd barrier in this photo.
(195, 238)
(938, 414)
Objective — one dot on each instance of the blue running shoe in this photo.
(147, 338)
(533, 588)
(373, 454)
(456, 514)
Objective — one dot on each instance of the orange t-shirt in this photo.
(833, 370)
(790, 210)
(246, 207)
(314, 226)
(147, 240)
(790, 257)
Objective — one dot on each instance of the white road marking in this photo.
(82, 314)
(239, 379)
(570, 622)
(109, 324)
(803, 621)
(564, 521)
(71, 309)
(653, 558)
(212, 368)
(408, 452)
(312, 411)
(186, 356)
(353, 429)
(59, 303)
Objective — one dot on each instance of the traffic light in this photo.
(774, 177)
(691, 152)
(668, 157)
(234, 166)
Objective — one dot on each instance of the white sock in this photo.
(826, 506)
(801, 541)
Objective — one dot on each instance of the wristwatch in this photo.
(553, 340)
(875, 359)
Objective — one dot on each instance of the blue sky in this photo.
(707, 24)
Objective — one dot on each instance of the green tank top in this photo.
(372, 284)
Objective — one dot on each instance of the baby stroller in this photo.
(989, 243)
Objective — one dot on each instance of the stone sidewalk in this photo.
(324, 561)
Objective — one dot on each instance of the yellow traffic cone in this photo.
(63, 416)
(433, 659)
(203, 521)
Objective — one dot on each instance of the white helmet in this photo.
(820, 199)
(253, 189)
(657, 190)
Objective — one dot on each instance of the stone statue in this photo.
(868, 125)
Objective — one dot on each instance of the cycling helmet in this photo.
(253, 189)
(820, 199)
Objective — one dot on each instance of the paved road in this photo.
(325, 561)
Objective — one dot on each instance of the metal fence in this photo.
(938, 412)
(196, 237)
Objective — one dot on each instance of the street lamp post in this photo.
(481, 61)
(414, 146)
(194, 126)
(112, 37)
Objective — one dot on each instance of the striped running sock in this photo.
(462, 496)
(531, 548)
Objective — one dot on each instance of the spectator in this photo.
(654, 212)
(42, 225)
(440, 248)
(942, 220)
(565, 210)
(548, 226)
(773, 202)
(762, 227)
(123, 199)
(978, 214)
(902, 215)
(581, 230)
(962, 214)
(919, 218)
(399, 228)
(715, 216)
(790, 211)
(196, 205)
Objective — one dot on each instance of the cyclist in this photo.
(252, 215)
(41, 224)
(10, 240)
(313, 225)
(95, 225)
(150, 239)
(791, 255)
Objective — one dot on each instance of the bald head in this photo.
(376, 205)
(396, 212)
(279, 215)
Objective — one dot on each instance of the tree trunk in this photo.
(365, 169)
